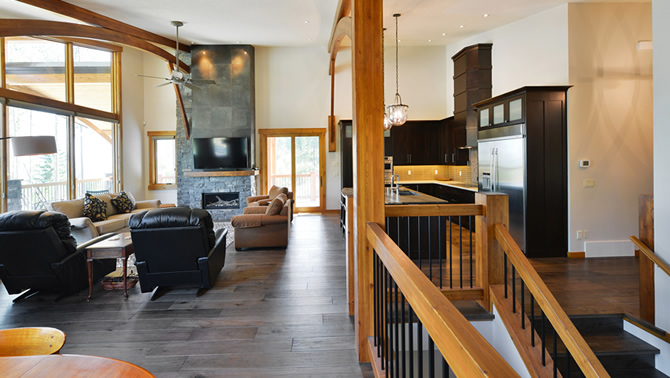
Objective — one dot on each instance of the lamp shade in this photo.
(33, 145)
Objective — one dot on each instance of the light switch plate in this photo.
(589, 183)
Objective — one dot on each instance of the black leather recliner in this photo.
(39, 253)
(177, 246)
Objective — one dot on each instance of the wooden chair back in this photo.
(30, 341)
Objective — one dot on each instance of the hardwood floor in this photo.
(272, 313)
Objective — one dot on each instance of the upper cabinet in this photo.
(507, 111)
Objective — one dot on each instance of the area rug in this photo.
(231, 231)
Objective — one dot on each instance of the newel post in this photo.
(490, 256)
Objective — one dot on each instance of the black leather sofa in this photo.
(177, 246)
(38, 253)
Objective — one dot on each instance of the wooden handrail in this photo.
(464, 348)
(651, 255)
(433, 210)
(573, 340)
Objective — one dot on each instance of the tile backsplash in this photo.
(431, 172)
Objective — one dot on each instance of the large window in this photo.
(36, 67)
(34, 181)
(68, 91)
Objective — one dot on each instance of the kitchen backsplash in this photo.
(432, 172)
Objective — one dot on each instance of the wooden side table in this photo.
(120, 246)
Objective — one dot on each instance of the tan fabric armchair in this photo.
(255, 229)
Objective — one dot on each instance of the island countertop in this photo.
(453, 184)
(417, 198)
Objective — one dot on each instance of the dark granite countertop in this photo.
(411, 197)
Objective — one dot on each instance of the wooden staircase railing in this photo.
(406, 301)
(550, 308)
(651, 255)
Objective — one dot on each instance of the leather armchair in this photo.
(39, 254)
(177, 246)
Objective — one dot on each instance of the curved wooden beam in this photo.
(91, 17)
(20, 28)
(343, 10)
(343, 29)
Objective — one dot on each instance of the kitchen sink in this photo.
(407, 193)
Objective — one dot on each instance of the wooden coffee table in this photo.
(116, 247)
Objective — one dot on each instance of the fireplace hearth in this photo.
(221, 200)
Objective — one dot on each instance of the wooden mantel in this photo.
(220, 173)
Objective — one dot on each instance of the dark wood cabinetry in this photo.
(346, 153)
(418, 143)
(540, 115)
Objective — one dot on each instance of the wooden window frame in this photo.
(152, 136)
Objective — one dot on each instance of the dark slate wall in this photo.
(224, 109)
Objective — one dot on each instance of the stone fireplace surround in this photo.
(224, 109)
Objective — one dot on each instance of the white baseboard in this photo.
(609, 248)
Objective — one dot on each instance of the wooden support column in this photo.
(368, 146)
(646, 235)
(490, 255)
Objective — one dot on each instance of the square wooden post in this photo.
(646, 235)
(490, 255)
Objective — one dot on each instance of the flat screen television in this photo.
(221, 153)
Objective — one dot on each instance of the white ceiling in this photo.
(301, 22)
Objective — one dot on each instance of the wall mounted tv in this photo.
(221, 153)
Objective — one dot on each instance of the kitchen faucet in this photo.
(394, 181)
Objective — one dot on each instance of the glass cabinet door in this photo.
(498, 114)
(516, 109)
(484, 117)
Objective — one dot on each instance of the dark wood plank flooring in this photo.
(607, 285)
(272, 313)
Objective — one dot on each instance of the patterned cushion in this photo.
(122, 203)
(94, 208)
(276, 205)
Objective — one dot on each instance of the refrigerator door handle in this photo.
(493, 188)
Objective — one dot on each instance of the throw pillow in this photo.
(94, 208)
(132, 199)
(276, 205)
(122, 203)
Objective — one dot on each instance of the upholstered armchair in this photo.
(264, 226)
(265, 200)
(177, 246)
(39, 254)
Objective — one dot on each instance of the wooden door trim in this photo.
(292, 133)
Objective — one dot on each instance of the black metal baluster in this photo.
(532, 320)
(471, 225)
(441, 246)
(430, 251)
(506, 281)
(387, 322)
(380, 315)
(460, 249)
(523, 309)
(409, 238)
(555, 354)
(418, 234)
(567, 363)
(397, 330)
(451, 262)
(376, 288)
(431, 357)
(410, 314)
(513, 291)
(402, 339)
(445, 368)
(544, 339)
(419, 346)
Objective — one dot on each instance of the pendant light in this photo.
(397, 112)
(387, 122)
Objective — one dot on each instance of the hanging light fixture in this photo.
(397, 112)
(387, 122)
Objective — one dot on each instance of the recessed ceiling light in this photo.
(486, 14)
(461, 26)
(430, 40)
(444, 34)
(307, 21)
(309, 39)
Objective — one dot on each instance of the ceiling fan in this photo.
(176, 76)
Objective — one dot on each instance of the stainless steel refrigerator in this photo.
(502, 169)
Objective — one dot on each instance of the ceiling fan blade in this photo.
(162, 85)
(201, 81)
(189, 85)
(153, 77)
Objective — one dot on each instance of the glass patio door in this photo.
(296, 162)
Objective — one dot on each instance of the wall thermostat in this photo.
(584, 163)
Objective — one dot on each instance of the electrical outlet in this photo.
(460, 173)
(589, 183)
(409, 173)
(580, 235)
(436, 171)
(585, 233)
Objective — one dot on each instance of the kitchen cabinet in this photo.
(450, 194)
(346, 153)
(504, 112)
(418, 143)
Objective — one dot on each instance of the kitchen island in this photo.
(406, 196)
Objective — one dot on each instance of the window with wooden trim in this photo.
(162, 160)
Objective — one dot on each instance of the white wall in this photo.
(293, 91)
(160, 114)
(132, 106)
(661, 13)
(531, 51)
(610, 122)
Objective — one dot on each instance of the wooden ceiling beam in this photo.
(39, 28)
(85, 15)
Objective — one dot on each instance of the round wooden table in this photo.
(69, 365)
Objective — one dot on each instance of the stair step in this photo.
(472, 310)
(597, 323)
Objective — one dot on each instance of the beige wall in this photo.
(610, 123)
(133, 116)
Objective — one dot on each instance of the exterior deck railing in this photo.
(37, 196)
